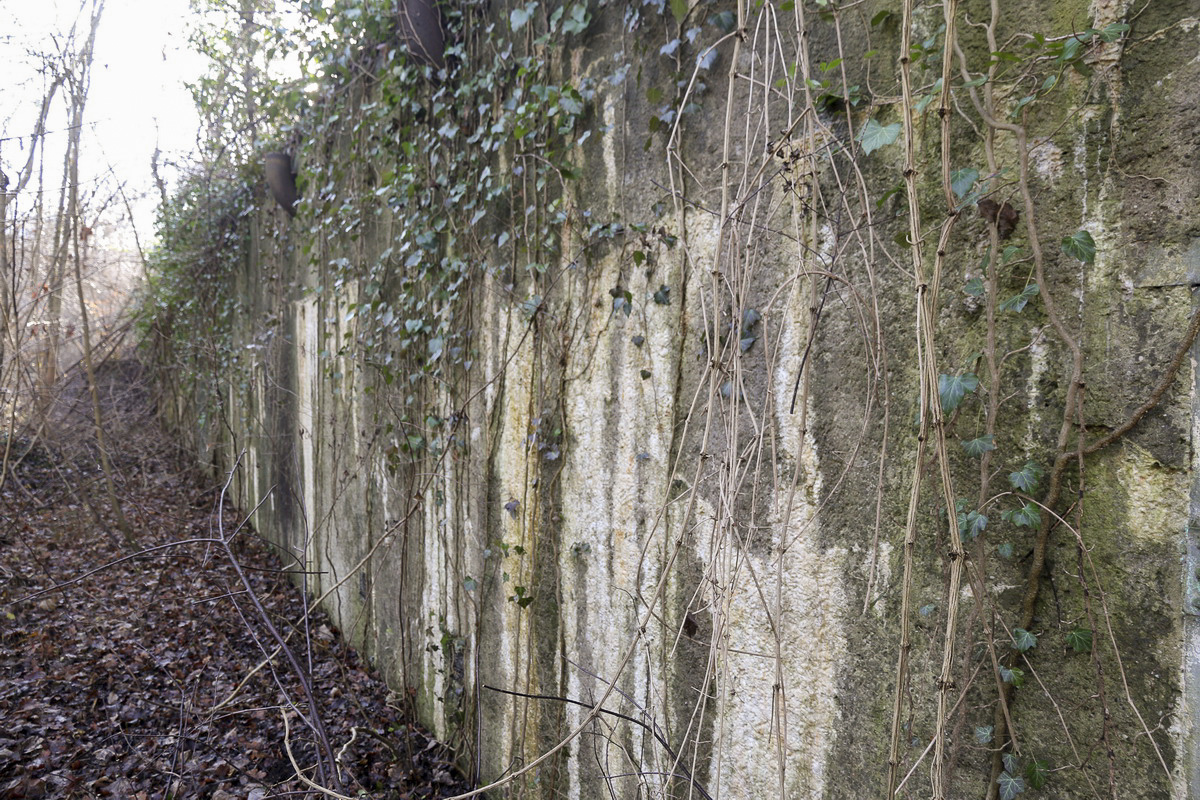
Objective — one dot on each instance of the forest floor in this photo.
(138, 667)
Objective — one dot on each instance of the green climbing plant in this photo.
(428, 190)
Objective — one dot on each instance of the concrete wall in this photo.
(729, 561)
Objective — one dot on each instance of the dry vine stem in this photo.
(931, 421)
(1072, 408)
(313, 718)
(741, 454)
(1070, 446)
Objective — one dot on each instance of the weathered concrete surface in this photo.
(679, 528)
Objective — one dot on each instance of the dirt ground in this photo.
(136, 665)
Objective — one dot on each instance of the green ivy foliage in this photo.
(187, 309)
(465, 169)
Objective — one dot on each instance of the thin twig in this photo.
(687, 775)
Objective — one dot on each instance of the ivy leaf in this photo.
(1111, 33)
(577, 19)
(1080, 246)
(531, 305)
(679, 10)
(638, 341)
(1023, 640)
(952, 389)
(984, 733)
(622, 300)
(436, 345)
(522, 599)
(724, 21)
(1005, 549)
(927, 609)
(874, 136)
(663, 295)
(1012, 764)
(1037, 773)
(1080, 640)
(1070, 49)
(746, 343)
(961, 181)
(1020, 104)
(977, 447)
(571, 102)
(882, 17)
(883, 198)
(926, 99)
(1014, 676)
(1027, 516)
(1010, 786)
(1018, 302)
(974, 287)
(519, 17)
(971, 524)
(470, 584)
(1026, 478)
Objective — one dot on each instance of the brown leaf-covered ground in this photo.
(137, 679)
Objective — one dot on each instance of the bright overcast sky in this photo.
(137, 100)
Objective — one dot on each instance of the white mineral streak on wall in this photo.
(613, 485)
(812, 641)
(1185, 716)
(433, 601)
(599, 530)
(1039, 363)
(308, 383)
(1047, 160)
(250, 472)
(1157, 498)
(443, 583)
(1185, 723)
(653, 404)
(458, 547)
(338, 546)
(510, 668)
(811, 636)
(613, 178)
(595, 532)
(590, 536)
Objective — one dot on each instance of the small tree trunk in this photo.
(79, 90)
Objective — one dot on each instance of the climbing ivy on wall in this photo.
(896, 155)
(188, 309)
(468, 164)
